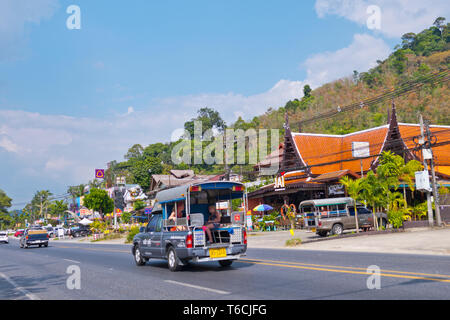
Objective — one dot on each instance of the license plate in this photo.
(313, 229)
(218, 253)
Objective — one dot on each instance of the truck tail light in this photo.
(320, 223)
(26, 237)
(245, 236)
(189, 241)
(48, 236)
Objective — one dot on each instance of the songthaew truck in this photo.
(177, 230)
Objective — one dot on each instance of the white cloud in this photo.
(15, 15)
(232, 104)
(8, 145)
(58, 164)
(397, 16)
(360, 55)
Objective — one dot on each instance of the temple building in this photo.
(311, 164)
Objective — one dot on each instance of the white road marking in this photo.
(74, 261)
(14, 284)
(197, 287)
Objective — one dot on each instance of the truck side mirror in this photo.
(141, 229)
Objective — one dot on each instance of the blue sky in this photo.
(71, 100)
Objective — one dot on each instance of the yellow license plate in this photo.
(218, 253)
(313, 229)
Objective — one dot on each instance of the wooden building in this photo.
(312, 164)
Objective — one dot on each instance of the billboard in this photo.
(360, 149)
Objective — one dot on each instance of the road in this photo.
(109, 272)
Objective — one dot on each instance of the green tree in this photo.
(138, 205)
(307, 91)
(159, 150)
(371, 191)
(5, 203)
(57, 208)
(209, 118)
(40, 203)
(353, 188)
(126, 217)
(141, 171)
(135, 152)
(98, 200)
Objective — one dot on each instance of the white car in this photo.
(4, 237)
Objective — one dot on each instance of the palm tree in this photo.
(353, 188)
(371, 190)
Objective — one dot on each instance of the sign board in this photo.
(279, 183)
(249, 220)
(336, 189)
(427, 154)
(85, 212)
(423, 181)
(360, 149)
(99, 173)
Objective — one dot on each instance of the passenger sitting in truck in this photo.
(324, 212)
(213, 221)
(178, 214)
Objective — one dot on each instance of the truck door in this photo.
(350, 220)
(156, 237)
(146, 239)
(365, 217)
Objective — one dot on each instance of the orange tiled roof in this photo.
(316, 149)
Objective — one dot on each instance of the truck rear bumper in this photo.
(201, 254)
(228, 257)
(36, 242)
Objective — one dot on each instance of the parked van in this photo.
(336, 215)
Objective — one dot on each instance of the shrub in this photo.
(397, 216)
(293, 242)
(133, 231)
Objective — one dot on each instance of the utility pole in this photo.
(433, 174)
(425, 166)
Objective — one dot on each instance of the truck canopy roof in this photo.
(179, 193)
(330, 201)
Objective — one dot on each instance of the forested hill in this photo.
(417, 56)
(413, 60)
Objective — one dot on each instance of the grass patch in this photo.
(110, 236)
(293, 242)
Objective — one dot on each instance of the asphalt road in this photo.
(109, 272)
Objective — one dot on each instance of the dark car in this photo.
(80, 231)
(34, 237)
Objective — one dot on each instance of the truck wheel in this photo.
(138, 257)
(46, 245)
(225, 263)
(40, 245)
(337, 229)
(172, 260)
